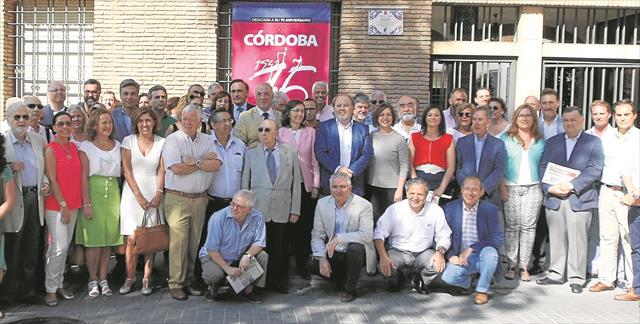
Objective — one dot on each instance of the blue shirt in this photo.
(227, 180)
(229, 239)
(238, 109)
(570, 144)
(24, 153)
(479, 145)
(276, 156)
(341, 223)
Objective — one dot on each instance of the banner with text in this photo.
(285, 44)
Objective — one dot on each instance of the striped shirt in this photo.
(179, 146)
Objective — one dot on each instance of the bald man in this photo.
(57, 94)
(248, 122)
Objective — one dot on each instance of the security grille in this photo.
(592, 25)
(54, 42)
(474, 23)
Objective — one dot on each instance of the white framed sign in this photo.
(384, 22)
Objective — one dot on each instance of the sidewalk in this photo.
(318, 303)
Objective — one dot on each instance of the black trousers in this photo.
(542, 235)
(24, 250)
(345, 267)
(278, 267)
(300, 232)
(381, 199)
(213, 206)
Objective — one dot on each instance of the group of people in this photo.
(431, 198)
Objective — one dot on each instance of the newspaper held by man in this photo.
(253, 272)
(555, 174)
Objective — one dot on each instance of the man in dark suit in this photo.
(343, 145)
(239, 91)
(569, 204)
(476, 236)
(482, 155)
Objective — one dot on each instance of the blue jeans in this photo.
(634, 234)
(484, 263)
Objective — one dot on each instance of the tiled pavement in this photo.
(318, 303)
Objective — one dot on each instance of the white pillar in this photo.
(529, 64)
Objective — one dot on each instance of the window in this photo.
(592, 26)
(463, 23)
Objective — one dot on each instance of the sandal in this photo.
(94, 292)
(146, 287)
(104, 286)
(126, 288)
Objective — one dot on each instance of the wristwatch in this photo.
(63, 204)
(198, 164)
(441, 249)
(248, 255)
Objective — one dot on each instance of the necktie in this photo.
(271, 165)
(265, 116)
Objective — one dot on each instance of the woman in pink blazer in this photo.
(302, 138)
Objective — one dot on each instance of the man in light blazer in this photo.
(569, 204)
(342, 237)
(24, 241)
(482, 155)
(551, 123)
(272, 172)
(343, 145)
(248, 122)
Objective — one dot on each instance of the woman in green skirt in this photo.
(99, 228)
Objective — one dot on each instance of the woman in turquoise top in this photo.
(520, 188)
(8, 200)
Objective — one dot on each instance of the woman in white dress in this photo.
(143, 190)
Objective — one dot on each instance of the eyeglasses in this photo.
(224, 121)
(233, 205)
(62, 124)
(377, 102)
(91, 91)
(34, 106)
(309, 109)
(17, 117)
(464, 114)
(57, 90)
(191, 97)
(494, 108)
(264, 129)
(297, 109)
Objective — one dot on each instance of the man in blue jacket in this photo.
(569, 204)
(343, 145)
(476, 236)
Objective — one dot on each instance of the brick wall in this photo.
(173, 44)
(7, 48)
(396, 65)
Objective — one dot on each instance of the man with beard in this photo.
(158, 99)
(91, 93)
(407, 110)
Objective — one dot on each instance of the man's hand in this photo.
(293, 218)
(438, 262)
(455, 260)
(45, 189)
(345, 170)
(189, 160)
(233, 271)
(397, 195)
(325, 268)
(315, 192)
(209, 156)
(464, 256)
(244, 263)
(559, 190)
(386, 266)
(331, 246)
(17, 166)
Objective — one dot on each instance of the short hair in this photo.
(571, 109)
(378, 92)
(156, 88)
(108, 92)
(484, 108)
(549, 91)
(77, 108)
(194, 85)
(58, 115)
(475, 178)
(483, 88)
(220, 95)
(442, 127)
(286, 114)
(415, 181)
(314, 102)
(601, 103)
(90, 129)
(213, 117)
(143, 94)
(136, 118)
(634, 109)
(49, 88)
(502, 104)
(212, 86)
(191, 108)
(463, 90)
(129, 82)
(93, 81)
(361, 98)
(246, 85)
(279, 95)
(339, 176)
(333, 102)
(246, 194)
(378, 111)
(13, 106)
(319, 84)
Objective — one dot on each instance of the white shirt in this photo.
(450, 121)
(102, 163)
(550, 129)
(630, 165)
(399, 127)
(176, 147)
(345, 136)
(271, 112)
(325, 113)
(524, 174)
(613, 150)
(413, 232)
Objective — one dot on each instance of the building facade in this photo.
(587, 49)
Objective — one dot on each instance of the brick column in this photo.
(173, 43)
(7, 48)
(396, 65)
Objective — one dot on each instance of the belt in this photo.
(185, 194)
(218, 199)
(616, 188)
(29, 189)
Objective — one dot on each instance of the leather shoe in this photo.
(480, 298)
(64, 294)
(178, 294)
(193, 291)
(630, 295)
(418, 285)
(281, 289)
(548, 281)
(599, 287)
(253, 297)
(347, 297)
(576, 288)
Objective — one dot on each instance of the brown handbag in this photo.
(151, 239)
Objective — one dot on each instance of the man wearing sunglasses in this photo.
(37, 112)
(57, 94)
(23, 227)
(249, 121)
(272, 171)
(122, 116)
(377, 98)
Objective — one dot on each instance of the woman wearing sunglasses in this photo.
(498, 122)
(463, 120)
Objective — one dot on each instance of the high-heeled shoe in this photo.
(126, 288)
(146, 287)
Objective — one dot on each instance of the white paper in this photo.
(253, 272)
(555, 174)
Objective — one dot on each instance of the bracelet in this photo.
(160, 190)
(86, 205)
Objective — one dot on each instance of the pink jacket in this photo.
(308, 163)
